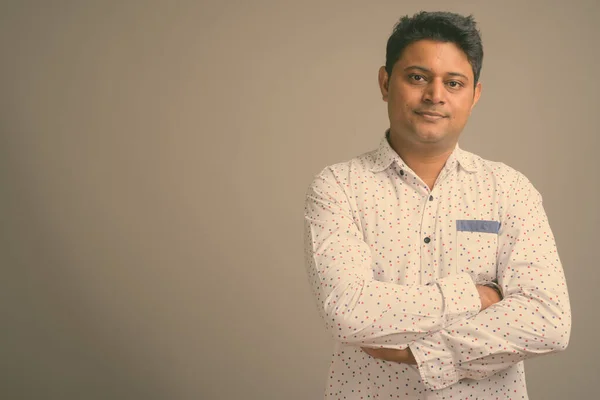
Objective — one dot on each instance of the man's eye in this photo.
(418, 78)
(454, 84)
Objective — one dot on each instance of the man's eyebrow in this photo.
(458, 74)
(420, 68)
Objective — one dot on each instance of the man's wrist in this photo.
(410, 358)
(496, 287)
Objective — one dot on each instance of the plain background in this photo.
(154, 158)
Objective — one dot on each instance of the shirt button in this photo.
(427, 240)
(402, 172)
(431, 198)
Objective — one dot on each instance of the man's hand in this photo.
(488, 296)
(400, 356)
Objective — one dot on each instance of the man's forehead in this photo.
(434, 56)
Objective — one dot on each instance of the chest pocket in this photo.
(476, 247)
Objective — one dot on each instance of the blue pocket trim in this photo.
(472, 225)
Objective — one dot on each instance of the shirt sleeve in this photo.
(356, 308)
(534, 318)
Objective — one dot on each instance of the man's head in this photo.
(430, 80)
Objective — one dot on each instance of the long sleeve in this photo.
(356, 308)
(533, 319)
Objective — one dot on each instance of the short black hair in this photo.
(439, 26)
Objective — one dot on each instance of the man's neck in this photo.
(426, 161)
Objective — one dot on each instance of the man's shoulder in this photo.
(359, 164)
(507, 180)
(498, 169)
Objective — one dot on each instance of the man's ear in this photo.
(476, 95)
(384, 83)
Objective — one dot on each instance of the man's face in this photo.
(430, 93)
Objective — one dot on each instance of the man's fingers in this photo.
(383, 354)
(372, 352)
(368, 351)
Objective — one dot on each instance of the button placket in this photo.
(427, 231)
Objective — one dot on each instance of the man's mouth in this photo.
(430, 114)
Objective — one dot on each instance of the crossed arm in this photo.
(452, 329)
(488, 297)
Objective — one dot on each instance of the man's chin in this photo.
(431, 137)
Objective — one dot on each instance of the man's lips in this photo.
(430, 114)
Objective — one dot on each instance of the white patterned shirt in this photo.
(394, 264)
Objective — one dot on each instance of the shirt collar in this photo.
(385, 156)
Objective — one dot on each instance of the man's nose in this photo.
(434, 92)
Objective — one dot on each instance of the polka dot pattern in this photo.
(388, 268)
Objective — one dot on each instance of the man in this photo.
(435, 270)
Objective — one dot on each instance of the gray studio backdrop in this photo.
(154, 157)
